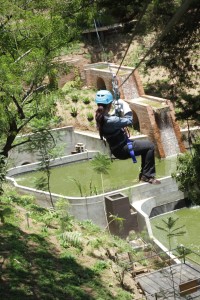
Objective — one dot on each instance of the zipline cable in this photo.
(134, 32)
(114, 79)
(170, 24)
(98, 37)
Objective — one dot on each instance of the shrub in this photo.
(74, 98)
(90, 116)
(74, 112)
(86, 100)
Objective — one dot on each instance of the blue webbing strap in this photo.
(131, 151)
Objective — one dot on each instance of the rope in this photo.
(100, 43)
(114, 79)
(170, 24)
(134, 32)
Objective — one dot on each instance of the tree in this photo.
(45, 143)
(171, 231)
(109, 12)
(177, 52)
(187, 173)
(33, 34)
(101, 164)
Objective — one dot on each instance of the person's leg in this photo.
(146, 150)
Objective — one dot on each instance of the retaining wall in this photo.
(167, 194)
(93, 207)
(66, 138)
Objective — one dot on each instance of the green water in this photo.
(189, 217)
(123, 173)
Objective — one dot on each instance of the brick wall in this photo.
(100, 75)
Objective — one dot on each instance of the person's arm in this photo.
(122, 108)
(115, 122)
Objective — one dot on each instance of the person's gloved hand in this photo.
(121, 107)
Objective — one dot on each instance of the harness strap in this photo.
(131, 151)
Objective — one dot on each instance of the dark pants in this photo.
(144, 148)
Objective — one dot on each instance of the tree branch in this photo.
(19, 58)
(26, 122)
(21, 143)
(31, 92)
(19, 108)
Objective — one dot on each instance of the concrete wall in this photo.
(93, 207)
(154, 196)
(54, 162)
(66, 138)
(82, 208)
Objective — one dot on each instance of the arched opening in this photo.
(101, 84)
(136, 124)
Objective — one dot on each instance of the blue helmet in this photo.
(103, 97)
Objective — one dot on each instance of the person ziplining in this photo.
(112, 128)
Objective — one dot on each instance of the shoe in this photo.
(143, 178)
(154, 181)
(151, 180)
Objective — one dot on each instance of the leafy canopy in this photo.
(32, 36)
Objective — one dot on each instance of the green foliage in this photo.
(13, 197)
(96, 243)
(89, 227)
(90, 116)
(182, 251)
(99, 266)
(118, 221)
(79, 186)
(177, 53)
(124, 295)
(49, 217)
(134, 57)
(4, 212)
(74, 112)
(189, 107)
(69, 238)
(2, 172)
(121, 245)
(171, 231)
(65, 220)
(30, 42)
(169, 225)
(83, 190)
(188, 173)
(74, 98)
(101, 163)
(86, 100)
(41, 183)
(68, 87)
